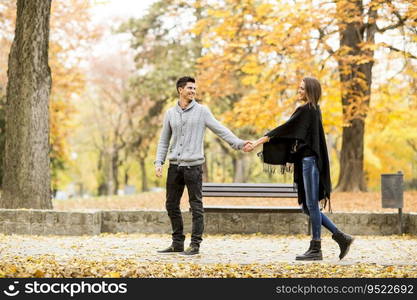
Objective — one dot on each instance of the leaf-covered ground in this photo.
(47, 266)
(134, 255)
(341, 202)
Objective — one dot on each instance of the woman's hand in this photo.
(261, 141)
(251, 145)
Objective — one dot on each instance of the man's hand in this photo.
(158, 171)
(248, 146)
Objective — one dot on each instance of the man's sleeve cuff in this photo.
(158, 163)
(240, 145)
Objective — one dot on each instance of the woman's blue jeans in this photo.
(311, 179)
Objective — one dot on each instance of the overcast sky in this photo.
(112, 12)
(109, 13)
(105, 9)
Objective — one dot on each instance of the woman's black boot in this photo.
(344, 240)
(313, 253)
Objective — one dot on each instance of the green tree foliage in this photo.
(165, 50)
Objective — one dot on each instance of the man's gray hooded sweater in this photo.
(185, 129)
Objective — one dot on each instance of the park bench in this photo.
(250, 190)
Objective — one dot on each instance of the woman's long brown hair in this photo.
(312, 89)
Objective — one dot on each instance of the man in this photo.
(184, 125)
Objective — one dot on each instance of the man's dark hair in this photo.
(182, 82)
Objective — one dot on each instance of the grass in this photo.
(341, 202)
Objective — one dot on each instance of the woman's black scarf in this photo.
(304, 128)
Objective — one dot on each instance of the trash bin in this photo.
(392, 194)
(392, 190)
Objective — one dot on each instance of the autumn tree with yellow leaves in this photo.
(258, 51)
(164, 51)
(70, 33)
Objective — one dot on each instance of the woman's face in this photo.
(301, 95)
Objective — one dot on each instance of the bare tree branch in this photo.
(405, 53)
(400, 22)
(412, 144)
(326, 46)
(392, 26)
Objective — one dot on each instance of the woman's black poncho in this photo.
(303, 129)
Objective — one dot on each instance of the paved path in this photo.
(235, 249)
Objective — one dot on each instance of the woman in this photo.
(301, 141)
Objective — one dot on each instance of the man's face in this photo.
(188, 91)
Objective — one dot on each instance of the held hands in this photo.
(249, 146)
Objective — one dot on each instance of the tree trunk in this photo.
(102, 188)
(26, 182)
(239, 171)
(144, 175)
(351, 163)
(2, 135)
(126, 176)
(114, 170)
(109, 173)
(356, 80)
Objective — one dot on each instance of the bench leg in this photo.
(309, 226)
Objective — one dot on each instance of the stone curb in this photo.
(94, 222)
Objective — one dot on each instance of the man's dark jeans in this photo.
(178, 178)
